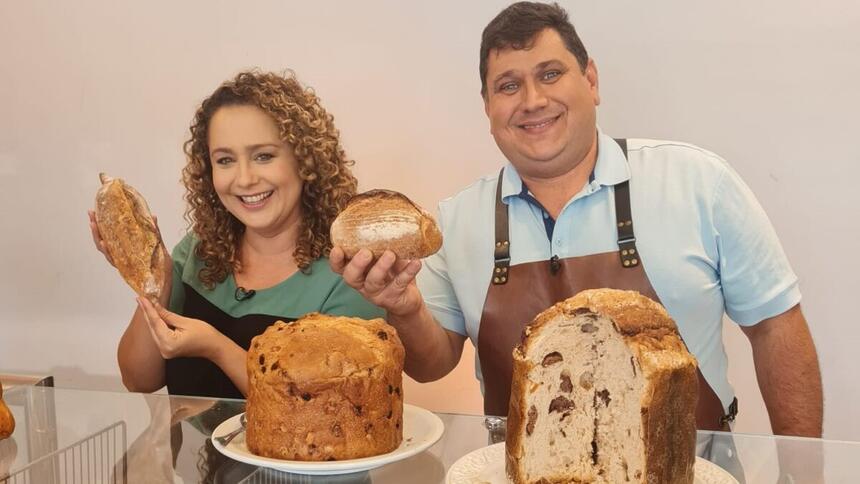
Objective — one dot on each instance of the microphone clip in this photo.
(243, 294)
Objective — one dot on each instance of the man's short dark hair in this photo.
(517, 26)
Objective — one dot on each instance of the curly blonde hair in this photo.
(328, 183)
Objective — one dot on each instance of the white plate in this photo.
(487, 466)
(421, 429)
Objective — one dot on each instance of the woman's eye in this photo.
(264, 156)
(223, 160)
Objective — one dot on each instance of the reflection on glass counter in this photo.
(79, 436)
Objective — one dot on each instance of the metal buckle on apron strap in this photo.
(624, 225)
(628, 251)
(502, 257)
(733, 412)
(500, 271)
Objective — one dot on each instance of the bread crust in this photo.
(325, 388)
(132, 239)
(381, 220)
(7, 420)
(669, 400)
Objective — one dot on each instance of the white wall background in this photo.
(96, 85)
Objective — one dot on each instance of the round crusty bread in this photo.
(325, 388)
(7, 421)
(381, 220)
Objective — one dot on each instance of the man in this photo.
(560, 218)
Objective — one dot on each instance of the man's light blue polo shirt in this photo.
(706, 244)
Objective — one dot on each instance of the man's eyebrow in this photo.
(507, 73)
(539, 67)
(543, 65)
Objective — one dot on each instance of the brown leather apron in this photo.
(518, 293)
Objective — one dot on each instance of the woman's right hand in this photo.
(178, 336)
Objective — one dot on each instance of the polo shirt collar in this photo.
(611, 168)
(512, 184)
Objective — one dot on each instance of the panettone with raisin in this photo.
(325, 388)
(603, 391)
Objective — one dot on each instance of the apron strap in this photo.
(624, 219)
(713, 417)
(502, 252)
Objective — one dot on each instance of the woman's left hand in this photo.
(177, 335)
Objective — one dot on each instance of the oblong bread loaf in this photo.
(131, 236)
(7, 421)
(381, 220)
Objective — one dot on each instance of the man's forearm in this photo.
(788, 374)
(795, 403)
(431, 351)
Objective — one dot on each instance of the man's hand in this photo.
(387, 282)
(431, 351)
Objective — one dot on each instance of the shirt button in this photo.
(545, 215)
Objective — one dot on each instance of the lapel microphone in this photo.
(243, 294)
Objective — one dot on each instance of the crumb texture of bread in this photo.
(325, 388)
(604, 391)
(131, 236)
(381, 220)
(7, 420)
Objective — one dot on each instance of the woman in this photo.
(266, 176)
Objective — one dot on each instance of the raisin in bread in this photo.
(325, 388)
(603, 390)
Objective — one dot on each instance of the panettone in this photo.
(603, 391)
(325, 388)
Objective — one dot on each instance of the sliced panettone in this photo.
(603, 390)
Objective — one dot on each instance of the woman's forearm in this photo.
(230, 357)
(140, 361)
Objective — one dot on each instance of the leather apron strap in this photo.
(518, 293)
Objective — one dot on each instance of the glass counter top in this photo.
(82, 436)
